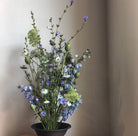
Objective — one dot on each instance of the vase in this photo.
(58, 132)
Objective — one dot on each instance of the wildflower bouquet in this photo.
(52, 75)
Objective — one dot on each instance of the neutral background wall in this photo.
(123, 65)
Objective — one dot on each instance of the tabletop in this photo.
(28, 135)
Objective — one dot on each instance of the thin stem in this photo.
(35, 62)
(63, 62)
(60, 19)
(39, 118)
(77, 32)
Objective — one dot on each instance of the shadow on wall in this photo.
(15, 116)
(117, 127)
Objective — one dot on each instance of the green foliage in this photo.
(27, 60)
(34, 38)
(72, 96)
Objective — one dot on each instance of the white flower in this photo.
(58, 59)
(68, 103)
(25, 52)
(46, 102)
(60, 96)
(76, 55)
(66, 75)
(44, 91)
(75, 89)
(73, 60)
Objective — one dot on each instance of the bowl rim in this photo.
(33, 126)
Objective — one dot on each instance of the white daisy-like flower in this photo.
(44, 91)
(66, 75)
(46, 102)
(68, 103)
(58, 59)
(25, 52)
(60, 96)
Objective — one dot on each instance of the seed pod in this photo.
(32, 107)
(27, 60)
(68, 47)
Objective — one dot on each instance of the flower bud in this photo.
(32, 107)
(77, 74)
(68, 47)
(27, 60)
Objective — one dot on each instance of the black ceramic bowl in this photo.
(43, 132)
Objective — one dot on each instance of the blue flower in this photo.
(80, 101)
(51, 69)
(76, 55)
(51, 40)
(28, 95)
(63, 101)
(37, 99)
(32, 98)
(24, 92)
(21, 87)
(70, 65)
(85, 18)
(26, 88)
(80, 65)
(51, 65)
(47, 82)
(62, 83)
(65, 118)
(67, 87)
(69, 72)
(65, 70)
(65, 112)
(30, 101)
(58, 32)
(30, 88)
(72, 76)
(54, 50)
(63, 40)
(43, 113)
(40, 46)
(35, 106)
(70, 112)
(73, 60)
(77, 66)
(71, 2)
(75, 71)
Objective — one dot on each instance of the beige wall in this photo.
(123, 65)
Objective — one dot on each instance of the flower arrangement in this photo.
(52, 75)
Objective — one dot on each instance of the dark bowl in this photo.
(44, 132)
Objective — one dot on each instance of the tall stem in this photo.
(77, 32)
(39, 119)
